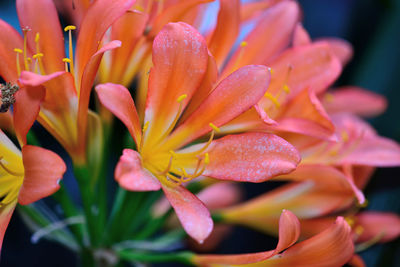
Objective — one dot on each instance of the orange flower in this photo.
(25, 177)
(332, 247)
(163, 159)
(61, 85)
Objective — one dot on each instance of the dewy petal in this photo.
(304, 114)
(250, 157)
(40, 16)
(26, 109)
(354, 100)
(341, 48)
(374, 223)
(43, 171)
(10, 39)
(332, 247)
(289, 230)
(234, 95)
(130, 174)
(99, 17)
(312, 66)
(5, 215)
(119, 101)
(270, 36)
(226, 31)
(192, 213)
(180, 60)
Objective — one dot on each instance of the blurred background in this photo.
(373, 28)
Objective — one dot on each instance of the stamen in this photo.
(215, 128)
(8, 170)
(37, 57)
(144, 129)
(25, 31)
(242, 47)
(70, 28)
(66, 61)
(172, 125)
(273, 99)
(18, 51)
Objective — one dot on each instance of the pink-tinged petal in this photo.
(332, 247)
(270, 36)
(43, 171)
(234, 95)
(180, 60)
(99, 17)
(119, 101)
(301, 36)
(312, 66)
(226, 31)
(219, 233)
(173, 13)
(220, 195)
(88, 77)
(26, 109)
(122, 30)
(373, 224)
(250, 157)
(10, 39)
(249, 10)
(354, 100)
(131, 175)
(32, 79)
(289, 230)
(304, 114)
(342, 49)
(5, 215)
(192, 213)
(51, 39)
(356, 261)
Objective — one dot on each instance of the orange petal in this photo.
(234, 95)
(301, 36)
(354, 100)
(10, 39)
(119, 101)
(304, 114)
(270, 36)
(180, 61)
(130, 174)
(356, 261)
(99, 17)
(26, 109)
(332, 247)
(375, 223)
(173, 13)
(51, 40)
(250, 157)
(193, 215)
(341, 48)
(289, 229)
(312, 66)
(122, 30)
(226, 31)
(5, 215)
(250, 9)
(43, 171)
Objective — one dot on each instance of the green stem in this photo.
(181, 257)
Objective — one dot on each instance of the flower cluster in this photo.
(205, 111)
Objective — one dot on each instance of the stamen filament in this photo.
(25, 32)
(66, 61)
(70, 28)
(18, 51)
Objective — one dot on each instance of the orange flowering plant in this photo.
(203, 109)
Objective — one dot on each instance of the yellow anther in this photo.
(206, 158)
(70, 28)
(145, 126)
(345, 136)
(273, 99)
(350, 220)
(272, 71)
(38, 55)
(214, 127)
(29, 60)
(243, 44)
(37, 37)
(329, 97)
(67, 60)
(17, 50)
(181, 98)
(359, 230)
(286, 89)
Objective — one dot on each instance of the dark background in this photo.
(373, 27)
